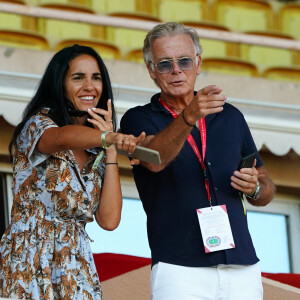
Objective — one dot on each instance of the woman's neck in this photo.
(79, 120)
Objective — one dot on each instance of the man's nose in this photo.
(175, 67)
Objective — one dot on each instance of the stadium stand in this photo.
(128, 39)
(56, 30)
(116, 42)
(135, 55)
(111, 6)
(215, 48)
(85, 3)
(181, 10)
(124, 6)
(244, 15)
(107, 50)
(283, 74)
(20, 31)
(265, 57)
(289, 19)
(14, 1)
(17, 22)
(25, 40)
(229, 66)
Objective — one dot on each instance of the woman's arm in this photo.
(76, 137)
(108, 214)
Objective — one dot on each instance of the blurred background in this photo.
(251, 50)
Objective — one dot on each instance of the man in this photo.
(196, 220)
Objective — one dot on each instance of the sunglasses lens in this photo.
(164, 66)
(185, 63)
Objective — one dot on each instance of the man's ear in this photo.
(150, 68)
(198, 61)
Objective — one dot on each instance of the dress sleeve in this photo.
(30, 135)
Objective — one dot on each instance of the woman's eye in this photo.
(77, 78)
(97, 78)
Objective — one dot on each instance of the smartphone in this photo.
(247, 161)
(143, 154)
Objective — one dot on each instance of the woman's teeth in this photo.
(89, 98)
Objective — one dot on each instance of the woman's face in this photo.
(83, 82)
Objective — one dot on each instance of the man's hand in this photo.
(208, 100)
(245, 180)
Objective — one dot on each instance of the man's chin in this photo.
(178, 92)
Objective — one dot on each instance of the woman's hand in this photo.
(124, 142)
(103, 124)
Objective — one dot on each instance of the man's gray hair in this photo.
(168, 29)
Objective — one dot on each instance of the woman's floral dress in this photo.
(45, 252)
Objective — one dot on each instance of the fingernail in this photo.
(88, 119)
(89, 109)
(93, 108)
(109, 100)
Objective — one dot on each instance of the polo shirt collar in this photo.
(155, 104)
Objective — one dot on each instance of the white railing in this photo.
(145, 25)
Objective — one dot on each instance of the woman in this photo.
(62, 177)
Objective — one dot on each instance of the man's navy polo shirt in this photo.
(170, 197)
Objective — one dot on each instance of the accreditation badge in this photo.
(215, 228)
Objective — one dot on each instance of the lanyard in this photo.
(194, 145)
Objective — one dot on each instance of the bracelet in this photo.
(103, 141)
(98, 159)
(111, 163)
(185, 121)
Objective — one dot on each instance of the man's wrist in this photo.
(185, 120)
(256, 194)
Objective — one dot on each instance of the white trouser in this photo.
(224, 282)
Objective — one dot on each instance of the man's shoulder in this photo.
(138, 108)
(142, 109)
(136, 112)
(231, 109)
(230, 114)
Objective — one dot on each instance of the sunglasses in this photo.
(184, 63)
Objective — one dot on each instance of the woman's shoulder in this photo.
(39, 121)
(33, 129)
